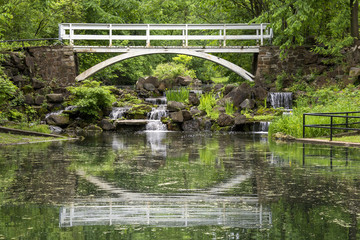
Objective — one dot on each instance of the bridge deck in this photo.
(205, 49)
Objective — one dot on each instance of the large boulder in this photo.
(55, 98)
(29, 99)
(228, 89)
(225, 120)
(184, 81)
(39, 100)
(149, 87)
(152, 80)
(260, 93)
(186, 115)
(191, 125)
(173, 106)
(193, 99)
(177, 116)
(239, 119)
(37, 84)
(194, 111)
(107, 125)
(239, 94)
(58, 120)
(247, 104)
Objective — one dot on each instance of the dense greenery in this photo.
(91, 98)
(329, 99)
(327, 25)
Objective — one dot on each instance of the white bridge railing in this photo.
(152, 32)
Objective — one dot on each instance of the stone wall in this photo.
(300, 59)
(54, 66)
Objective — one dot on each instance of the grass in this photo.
(41, 128)
(180, 95)
(323, 100)
(350, 139)
(221, 80)
(6, 138)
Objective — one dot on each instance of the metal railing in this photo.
(332, 126)
(79, 31)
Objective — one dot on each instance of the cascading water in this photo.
(281, 99)
(156, 114)
(118, 112)
(261, 127)
(68, 108)
(154, 118)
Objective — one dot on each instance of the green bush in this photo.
(207, 104)
(7, 88)
(91, 98)
(172, 70)
(180, 95)
(324, 100)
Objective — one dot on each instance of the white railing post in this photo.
(220, 33)
(71, 33)
(186, 36)
(60, 32)
(148, 36)
(183, 41)
(110, 35)
(224, 43)
(262, 34)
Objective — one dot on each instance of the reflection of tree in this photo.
(306, 199)
(42, 175)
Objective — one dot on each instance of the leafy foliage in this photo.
(207, 104)
(92, 98)
(7, 88)
(324, 100)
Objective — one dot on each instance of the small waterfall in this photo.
(261, 127)
(155, 116)
(118, 112)
(157, 101)
(281, 99)
(68, 108)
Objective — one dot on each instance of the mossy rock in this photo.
(139, 111)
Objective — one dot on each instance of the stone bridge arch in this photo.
(135, 53)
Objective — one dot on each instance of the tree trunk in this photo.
(354, 6)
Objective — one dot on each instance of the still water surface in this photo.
(168, 185)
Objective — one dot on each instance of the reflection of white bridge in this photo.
(177, 210)
(189, 39)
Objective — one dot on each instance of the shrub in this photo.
(207, 104)
(7, 88)
(172, 70)
(91, 97)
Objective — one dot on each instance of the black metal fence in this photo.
(332, 125)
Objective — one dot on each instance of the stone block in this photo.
(55, 98)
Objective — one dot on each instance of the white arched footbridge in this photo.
(196, 40)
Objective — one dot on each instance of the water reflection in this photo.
(179, 186)
(167, 212)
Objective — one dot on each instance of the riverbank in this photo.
(10, 136)
(347, 141)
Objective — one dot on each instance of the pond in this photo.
(171, 185)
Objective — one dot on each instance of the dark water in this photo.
(179, 186)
